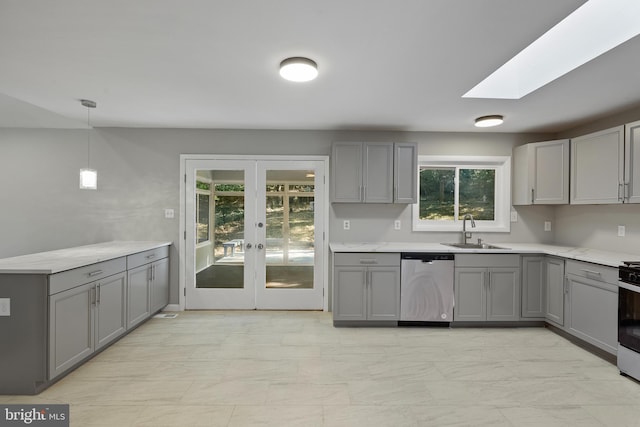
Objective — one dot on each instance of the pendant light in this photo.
(88, 176)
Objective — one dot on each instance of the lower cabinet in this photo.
(366, 287)
(533, 287)
(148, 284)
(487, 288)
(83, 319)
(592, 304)
(555, 285)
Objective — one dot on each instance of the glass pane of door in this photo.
(290, 232)
(222, 257)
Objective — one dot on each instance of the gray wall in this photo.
(138, 177)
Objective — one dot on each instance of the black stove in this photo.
(630, 272)
(629, 319)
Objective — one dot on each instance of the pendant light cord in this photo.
(88, 137)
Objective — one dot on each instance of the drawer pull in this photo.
(368, 261)
(94, 273)
(595, 273)
(152, 256)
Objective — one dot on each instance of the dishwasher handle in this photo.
(427, 257)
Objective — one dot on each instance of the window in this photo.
(452, 186)
(203, 215)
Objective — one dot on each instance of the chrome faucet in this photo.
(465, 235)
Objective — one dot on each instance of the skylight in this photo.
(591, 30)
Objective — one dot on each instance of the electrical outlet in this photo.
(5, 307)
(397, 224)
(547, 226)
(169, 213)
(514, 216)
(346, 224)
(621, 231)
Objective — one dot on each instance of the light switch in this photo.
(621, 231)
(169, 213)
(397, 224)
(547, 226)
(5, 306)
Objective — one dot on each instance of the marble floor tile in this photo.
(275, 368)
(277, 416)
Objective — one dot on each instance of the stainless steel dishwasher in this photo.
(426, 287)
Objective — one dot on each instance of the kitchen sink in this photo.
(472, 246)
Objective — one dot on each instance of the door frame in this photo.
(324, 268)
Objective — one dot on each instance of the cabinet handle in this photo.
(595, 273)
(566, 285)
(93, 296)
(627, 195)
(368, 261)
(94, 273)
(98, 291)
(532, 198)
(152, 256)
(620, 195)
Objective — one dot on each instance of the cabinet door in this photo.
(71, 327)
(632, 162)
(346, 172)
(503, 296)
(597, 167)
(470, 294)
(523, 175)
(533, 287)
(405, 179)
(592, 312)
(551, 174)
(111, 309)
(383, 294)
(138, 296)
(160, 285)
(555, 284)
(378, 172)
(349, 288)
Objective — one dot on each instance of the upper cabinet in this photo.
(632, 163)
(374, 172)
(541, 173)
(597, 167)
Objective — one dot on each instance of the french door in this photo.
(255, 234)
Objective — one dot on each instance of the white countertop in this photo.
(66, 259)
(608, 258)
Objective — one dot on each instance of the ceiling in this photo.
(384, 65)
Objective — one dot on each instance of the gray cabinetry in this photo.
(366, 287)
(632, 162)
(597, 167)
(148, 278)
(487, 287)
(533, 287)
(592, 304)
(555, 284)
(373, 172)
(85, 318)
(541, 173)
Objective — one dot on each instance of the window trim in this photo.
(207, 193)
(502, 166)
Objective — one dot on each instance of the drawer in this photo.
(146, 257)
(592, 271)
(487, 260)
(367, 259)
(90, 273)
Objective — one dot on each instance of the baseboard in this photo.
(172, 307)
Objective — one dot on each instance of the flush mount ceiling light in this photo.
(489, 121)
(591, 30)
(298, 69)
(88, 176)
